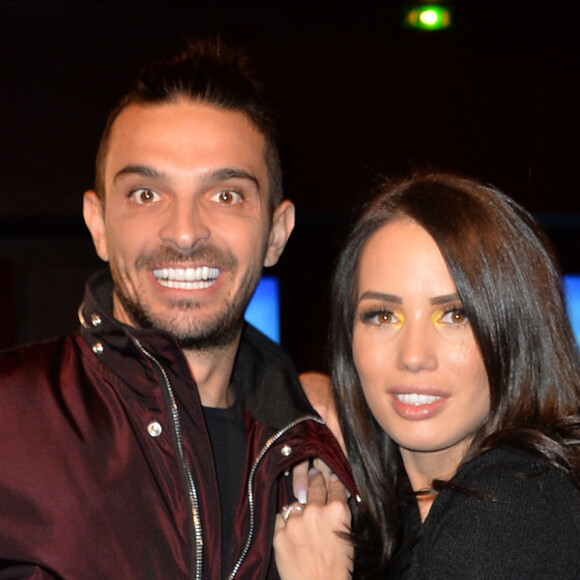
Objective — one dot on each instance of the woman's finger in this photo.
(336, 489)
(300, 481)
(316, 487)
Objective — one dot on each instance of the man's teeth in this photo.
(416, 398)
(187, 278)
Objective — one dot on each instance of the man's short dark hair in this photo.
(207, 72)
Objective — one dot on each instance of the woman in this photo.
(457, 382)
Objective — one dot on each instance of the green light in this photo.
(428, 17)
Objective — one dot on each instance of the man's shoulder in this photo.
(259, 351)
(259, 341)
(34, 358)
(268, 378)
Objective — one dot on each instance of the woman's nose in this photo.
(416, 348)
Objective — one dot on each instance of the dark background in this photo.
(359, 97)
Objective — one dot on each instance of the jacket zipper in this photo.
(192, 491)
(259, 458)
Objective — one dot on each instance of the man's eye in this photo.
(227, 196)
(145, 196)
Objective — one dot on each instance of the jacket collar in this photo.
(263, 372)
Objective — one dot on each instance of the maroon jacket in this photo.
(106, 469)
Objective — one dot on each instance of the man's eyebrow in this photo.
(384, 297)
(142, 170)
(444, 299)
(231, 173)
(217, 175)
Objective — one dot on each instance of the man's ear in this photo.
(94, 214)
(282, 226)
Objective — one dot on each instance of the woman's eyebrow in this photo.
(444, 299)
(372, 295)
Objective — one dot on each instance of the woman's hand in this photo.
(307, 540)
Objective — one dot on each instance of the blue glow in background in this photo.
(264, 309)
(572, 291)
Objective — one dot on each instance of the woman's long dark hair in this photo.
(510, 286)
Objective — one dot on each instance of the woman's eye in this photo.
(227, 196)
(454, 316)
(145, 196)
(385, 317)
(380, 318)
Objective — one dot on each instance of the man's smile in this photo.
(187, 278)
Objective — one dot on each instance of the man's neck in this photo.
(212, 372)
(211, 368)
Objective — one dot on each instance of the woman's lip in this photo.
(415, 404)
(417, 389)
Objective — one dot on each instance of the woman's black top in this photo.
(522, 523)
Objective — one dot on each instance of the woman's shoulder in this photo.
(510, 481)
(504, 472)
(511, 515)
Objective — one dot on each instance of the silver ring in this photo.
(288, 509)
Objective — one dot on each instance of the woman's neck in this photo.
(423, 467)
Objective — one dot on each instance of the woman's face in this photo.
(420, 367)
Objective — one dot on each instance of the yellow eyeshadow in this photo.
(400, 319)
(436, 317)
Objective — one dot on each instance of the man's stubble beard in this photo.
(215, 333)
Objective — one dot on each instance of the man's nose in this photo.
(185, 225)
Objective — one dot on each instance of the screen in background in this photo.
(572, 291)
(264, 309)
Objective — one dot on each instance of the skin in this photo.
(186, 186)
(411, 336)
(307, 546)
(317, 388)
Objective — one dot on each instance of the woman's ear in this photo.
(282, 226)
(94, 214)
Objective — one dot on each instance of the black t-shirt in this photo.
(228, 438)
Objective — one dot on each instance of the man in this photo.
(156, 443)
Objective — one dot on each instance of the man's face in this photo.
(185, 225)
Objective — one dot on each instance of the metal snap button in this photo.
(154, 429)
(98, 348)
